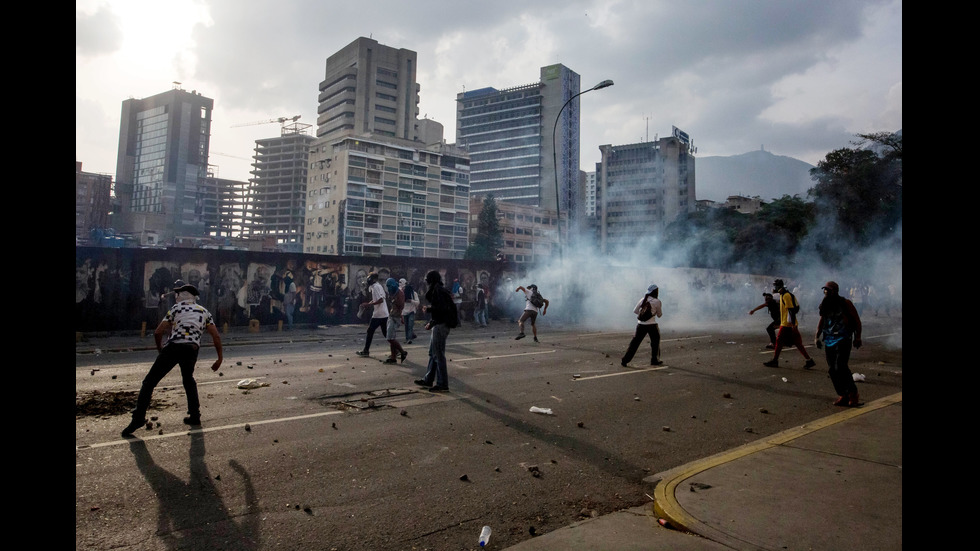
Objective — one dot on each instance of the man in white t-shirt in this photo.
(379, 318)
(531, 295)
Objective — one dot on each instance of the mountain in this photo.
(757, 173)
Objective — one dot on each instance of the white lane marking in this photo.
(620, 373)
(209, 429)
(503, 356)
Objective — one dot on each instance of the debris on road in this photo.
(544, 411)
(251, 383)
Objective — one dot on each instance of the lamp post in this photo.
(554, 153)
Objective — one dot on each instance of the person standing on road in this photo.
(838, 329)
(442, 317)
(789, 333)
(379, 318)
(394, 319)
(533, 301)
(457, 293)
(647, 311)
(185, 323)
(482, 309)
(411, 306)
(773, 306)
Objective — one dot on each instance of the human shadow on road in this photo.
(191, 514)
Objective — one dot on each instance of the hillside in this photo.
(757, 173)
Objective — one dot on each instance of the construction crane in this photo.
(281, 120)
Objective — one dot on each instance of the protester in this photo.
(185, 323)
(773, 306)
(411, 306)
(482, 308)
(379, 317)
(647, 310)
(839, 327)
(442, 317)
(396, 305)
(789, 333)
(457, 293)
(533, 301)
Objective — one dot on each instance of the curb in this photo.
(666, 506)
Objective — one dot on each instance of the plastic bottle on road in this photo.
(484, 536)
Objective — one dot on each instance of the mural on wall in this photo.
(158, 283)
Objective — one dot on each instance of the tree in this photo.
(489, 238)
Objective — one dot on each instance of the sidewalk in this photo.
(835, 483)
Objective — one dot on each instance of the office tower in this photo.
(276, 198)
(641, 188)
(369, 88)
(92, 203)
(162, 159)
(509, 133)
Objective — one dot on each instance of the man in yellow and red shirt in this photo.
(789, 333)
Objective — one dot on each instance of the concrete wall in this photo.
(120, 289)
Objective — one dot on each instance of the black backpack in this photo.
(536, 299)
(795, 308)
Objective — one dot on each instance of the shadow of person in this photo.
(191, 513)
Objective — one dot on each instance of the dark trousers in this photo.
(840, 374)
(184, 355)
(771, 329)
(375, 324)
(641, 333)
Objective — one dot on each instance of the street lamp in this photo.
(554, 153)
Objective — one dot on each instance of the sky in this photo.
(795, 77)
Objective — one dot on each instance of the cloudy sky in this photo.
(796, 77)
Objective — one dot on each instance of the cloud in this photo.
(98, 33)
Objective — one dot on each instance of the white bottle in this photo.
(484, 536)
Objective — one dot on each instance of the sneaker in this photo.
(362, 353)
(421, 382)
(390, 361)
(853, 400)
(770, 347)
(809, 363)
(771, 363)
(536, 339)
(408, 342)
(840, 401)
(658, 362)
(132, 426)
(192, 420)
(439, 388)
(520, 336)
(403, 356)
(624, 364)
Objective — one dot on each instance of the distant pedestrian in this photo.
(442, 318)
(482, 308)
(839, 328)
(411, 307)
(397, 297)
(289, 298)
(457, 293)
(773, 306)
(789, 332)
(379, 317)
(533, 301)
(647, 310)
(184, 324)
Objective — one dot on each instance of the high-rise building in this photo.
(276, 198)
(641, 188)
(382, 182)
(369, 88)
(161, 163)
(92, 202)
(509, 134)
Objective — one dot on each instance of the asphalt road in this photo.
(342, 452)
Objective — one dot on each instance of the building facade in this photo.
(92, 203)
(508, 134)
(161, 163)
(276, 199)
(530, 234)
(641, 188)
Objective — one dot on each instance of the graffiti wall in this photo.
(120, 289)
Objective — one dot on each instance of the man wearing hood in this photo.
(185, 323)
(379, 318)
(443, 318)
(839, 328)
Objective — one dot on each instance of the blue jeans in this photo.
(481, 315)
(437, 356)
(410, 327)
(840, 374)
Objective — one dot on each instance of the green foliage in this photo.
(489, 237)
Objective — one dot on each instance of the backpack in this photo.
(536, 299)
(795, 308)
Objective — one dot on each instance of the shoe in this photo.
(439, 388)
(771, 363)
(192, 420)
(536, 339)
(840, 401)
(390, 361)
(624, 364)
(132, 426)
(519, 337)
(770, 347)
(853, 400)
(809, 363)
(658, 362)
(403, 356)
(421, 382)
(408, 342)
(362, 353)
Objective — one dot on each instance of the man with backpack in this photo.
(533, 302)
(838, 330)
(443, 318)
(789, 333)
(411, 306)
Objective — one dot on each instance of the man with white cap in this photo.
(185, 323)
